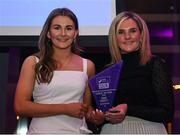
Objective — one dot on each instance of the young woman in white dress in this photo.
(56, 77)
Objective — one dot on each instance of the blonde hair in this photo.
(145, 50)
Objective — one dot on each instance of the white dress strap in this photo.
(37, 59)
(85, 65)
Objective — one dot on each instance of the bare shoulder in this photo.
(90, 63)
(29, 62)
(27, 73)
(90, 67)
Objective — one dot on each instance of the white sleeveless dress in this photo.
(65, 87)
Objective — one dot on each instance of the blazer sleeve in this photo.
(163, 87)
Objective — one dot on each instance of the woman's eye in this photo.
(133, 30)
(69, 28)
(57, 27)
(120, 32)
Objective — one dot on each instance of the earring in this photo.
(74, 41)
(49, 42)
(140, 44)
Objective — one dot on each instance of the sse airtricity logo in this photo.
(103, 82)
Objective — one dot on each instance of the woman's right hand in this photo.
(77, 110)
(116, 114)
(95, 116)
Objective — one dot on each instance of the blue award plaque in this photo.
(104, 85)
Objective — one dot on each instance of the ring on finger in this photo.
(107, 118)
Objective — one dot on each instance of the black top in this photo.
(147, 89)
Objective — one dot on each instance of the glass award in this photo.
(104, 85)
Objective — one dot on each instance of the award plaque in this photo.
(104, 85)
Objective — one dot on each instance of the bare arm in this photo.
(94, 116)
(90, 72)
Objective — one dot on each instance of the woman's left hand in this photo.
(116, 114)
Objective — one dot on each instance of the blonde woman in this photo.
(144, 99)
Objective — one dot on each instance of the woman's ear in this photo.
(76, 34)
(48, 35)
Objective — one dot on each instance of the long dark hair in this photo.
(46, 65)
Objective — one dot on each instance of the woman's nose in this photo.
(127, 35)
(63, 32)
